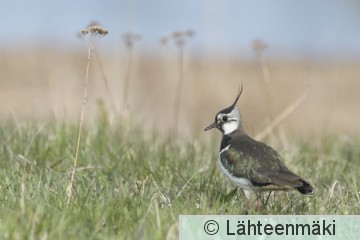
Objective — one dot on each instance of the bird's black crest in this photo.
(238, 95)
(229, 109)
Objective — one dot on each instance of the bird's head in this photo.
(229, 119)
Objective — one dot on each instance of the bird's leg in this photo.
(249, 200)
(258, 202)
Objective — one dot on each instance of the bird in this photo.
(251, 165)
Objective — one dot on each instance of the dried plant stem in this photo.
(71, 183)
(112, 102)
(279, 118)
(127, 79)
(267, 80)
(177, 102)
(180, 39)
(129, 40)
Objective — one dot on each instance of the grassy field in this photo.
(132, 184)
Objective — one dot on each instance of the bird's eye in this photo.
(224, 118)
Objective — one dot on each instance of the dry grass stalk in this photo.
(81, 35)
(105, 79)
(93, 31)
(129, 40)
(259, 46)
(179, 38)
(279, 118)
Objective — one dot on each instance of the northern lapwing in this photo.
(251, 165)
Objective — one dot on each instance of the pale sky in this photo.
(306, 27)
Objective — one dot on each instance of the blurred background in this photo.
(279, 50)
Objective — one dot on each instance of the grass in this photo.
(133, 185)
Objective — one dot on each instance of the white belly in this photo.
(239, 182)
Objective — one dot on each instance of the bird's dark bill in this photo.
(213, 125)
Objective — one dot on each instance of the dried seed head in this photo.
(179, 38)
(97, 30)
(177, 34)
(164, 40)
(259, 45)
(130, 38)
(84, 32)
(189, 33)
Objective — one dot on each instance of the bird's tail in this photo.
(306, 188)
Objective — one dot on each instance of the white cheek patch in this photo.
(230, 127)
(232, 122)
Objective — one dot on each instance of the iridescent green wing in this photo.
(259, 163)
